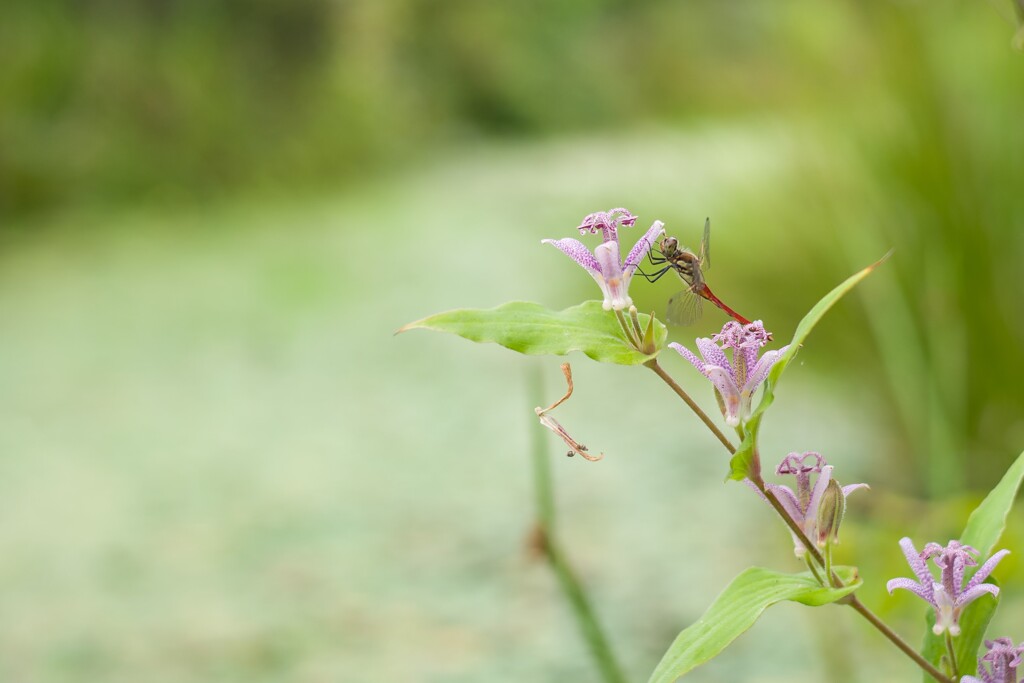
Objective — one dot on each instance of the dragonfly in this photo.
(685, 307)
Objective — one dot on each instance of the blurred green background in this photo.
(217, 464)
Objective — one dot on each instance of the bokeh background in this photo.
(218, 464)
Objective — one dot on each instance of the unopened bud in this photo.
(648, 344)
(830, 514)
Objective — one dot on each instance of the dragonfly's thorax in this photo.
(687, 264)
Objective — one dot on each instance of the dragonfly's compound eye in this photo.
(669, 246)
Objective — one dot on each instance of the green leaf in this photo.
(987, 522)
(736, 610)
(742, 461)
(984, 527)
(534, 330)
(812, 318)
(741, 465)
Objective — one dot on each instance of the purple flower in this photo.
(611, 275)
(735, 380)
(802, 505)
(948, 596)
(1002, 659)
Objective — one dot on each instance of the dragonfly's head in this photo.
(669, 247)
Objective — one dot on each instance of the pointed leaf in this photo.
(736, 610)
(986, 523)
(812, 318)
(741, 464)
(984, 527)
(534, 330)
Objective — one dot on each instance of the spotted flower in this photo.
(803, 504)
(735, 380)
(604, 265)
(999, 664)
(949, 595)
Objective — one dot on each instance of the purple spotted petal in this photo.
(789, 501)
(762, 368)
(688, 355)
(579, 253)
(986, 569)
(713, 355)
(916, 563)
(917, 589)
(726, 385)
(640, 249)
(974, 593)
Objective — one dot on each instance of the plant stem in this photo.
(636, 323)
(852, 599)
(660, 372)
(574, 592)
(856, 604)
(812, 549)
(813, 568)
(828, 566)
(631, 336)
(955, 668)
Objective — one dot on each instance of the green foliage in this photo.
(742, 461)
(984, 527)
(987, 522)
(738, 607)
(534, 330)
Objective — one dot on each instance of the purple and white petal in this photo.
(850, 488)
(640, 249)
(974, 593)
(578, 252)
(615, 296)
(713, 355)
(762, 368)
(986, 569)
(916, 563)
(788, 501)
(688, 355)
(726, 385)
(912, 586)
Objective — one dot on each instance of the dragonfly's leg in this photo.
(654, 277)
(656, 260)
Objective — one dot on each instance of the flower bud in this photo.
(830, 514)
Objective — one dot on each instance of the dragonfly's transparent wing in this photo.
(684, 308)
(705, 246)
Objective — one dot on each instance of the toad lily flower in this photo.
(611, 275)
(1002, 659)
(948, 596)
(803, 505)
(735, 380)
